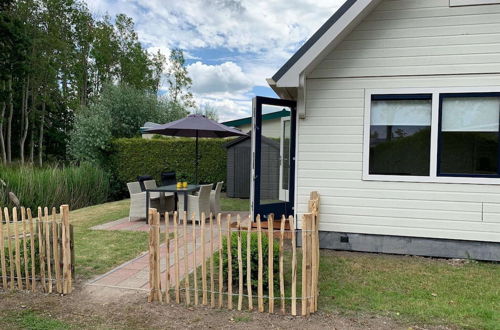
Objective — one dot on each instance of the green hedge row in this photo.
(138, 156)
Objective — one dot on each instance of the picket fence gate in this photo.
(36, 252)
(221, 294)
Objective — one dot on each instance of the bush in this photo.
(254, 256)
(21, 255)
(53, 186)
(138, 156)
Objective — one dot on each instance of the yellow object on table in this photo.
(185, 184)
(179, 184)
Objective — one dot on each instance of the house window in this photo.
(400, 134)
(469, 135)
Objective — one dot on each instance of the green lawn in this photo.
(234, 204)
(413, 289)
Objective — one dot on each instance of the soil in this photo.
(104, 308)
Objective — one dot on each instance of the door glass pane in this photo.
(285, 171)
(400, 135)
(469, 135)
(270, 153)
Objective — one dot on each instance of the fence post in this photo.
(229, 265)
(260, 286)
(270, 261)
(25, 251)
(294, 266)
(66, 245)
(2, 254)
(249, 264)
(167, 258)
(240, 266)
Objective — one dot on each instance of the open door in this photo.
(273, 158)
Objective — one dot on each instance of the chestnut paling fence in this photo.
(36, 253)
(289, 278)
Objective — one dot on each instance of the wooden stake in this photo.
(9, 247)
(195, 272)
(282, 276)
(18, 249)
(260, 281)
(249, 264)
(212, 280)
(270, 261)
(152, 274)
(294, 266)
(203, 262)
(66, 247)
(304, 266)
(158, 294)
(47, 247)
(229, 265)
(314, 265)
(176, 260)
(55, 247)
(167, 258)
(2, 254)
(186, 265)
(25, 251)
(32, 249)
(41, 248)
(240, 266)
(221, 278)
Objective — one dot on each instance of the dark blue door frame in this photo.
(281, 208)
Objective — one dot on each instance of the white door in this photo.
(284, 158)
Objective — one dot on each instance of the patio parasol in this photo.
(197, 126)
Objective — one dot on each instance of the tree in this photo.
(119, 112)
(179, 82)
(208, 111)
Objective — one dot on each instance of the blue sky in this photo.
(231, 46)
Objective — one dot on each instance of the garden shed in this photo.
(238, 168)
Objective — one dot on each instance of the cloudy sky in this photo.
(231, 46)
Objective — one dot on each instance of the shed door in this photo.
(273, 157)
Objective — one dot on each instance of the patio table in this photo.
(171, 188)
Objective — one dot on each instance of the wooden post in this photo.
(176, 260)
(260, 280)
(186, 265)
(41, 248)
(221, 278)
(2, 254)
(304, 228)
(195, 272)
(314, 265)
(18, 249)
(167, 258)
(66, 245)
(212, 280)
(152, 264)
(55, 247)
(294, 266)
(203, 261)
(313, 205)
(282, 276)
(158, 294)
(9, 247)
(229, 265)
(32, 249)
(47, 247)
(240, 266)
(270, 261)
(25, 251)
(249, 264)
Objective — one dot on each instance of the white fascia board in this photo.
(327, 42)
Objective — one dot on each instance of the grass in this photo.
(414, 289)
(28, 319)
(234, 204)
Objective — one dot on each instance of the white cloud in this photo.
(226, 77)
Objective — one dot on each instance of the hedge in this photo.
(137, 156)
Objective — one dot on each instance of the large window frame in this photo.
(434, 175)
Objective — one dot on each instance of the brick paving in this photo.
(134, 274)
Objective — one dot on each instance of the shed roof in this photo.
(248, 120)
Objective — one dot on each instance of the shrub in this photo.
(254, 256)
(138, 156)
(21, 255)
(53, 186)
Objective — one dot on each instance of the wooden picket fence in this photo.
(36, 253)
(222, 293)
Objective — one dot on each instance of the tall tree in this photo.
(179, 82)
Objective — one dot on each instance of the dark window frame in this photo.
(442, 96)
(398, 97)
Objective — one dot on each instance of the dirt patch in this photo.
(96, 307)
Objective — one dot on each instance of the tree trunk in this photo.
(25, 120)
(2, 140)
(9, 122)
(40, 137)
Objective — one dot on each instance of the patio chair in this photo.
(197, 204)
(138, 201)
(166, 200)
(215, 198)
